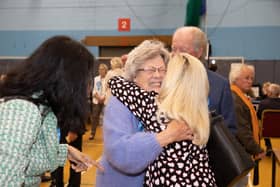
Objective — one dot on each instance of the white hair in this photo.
(147, 50)
(236, 70)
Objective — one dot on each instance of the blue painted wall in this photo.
(248, 28)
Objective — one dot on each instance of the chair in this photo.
(270, 122)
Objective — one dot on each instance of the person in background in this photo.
(193, 41)
(265, 89)
(128, 150)
(272, 101)
(213, 66)
(45, 92)
(2, 77)
(183, 96)
(241, 78)
(98, 98)
(116, 69)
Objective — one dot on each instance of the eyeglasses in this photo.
(153, 70)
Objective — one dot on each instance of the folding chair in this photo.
(270, 122)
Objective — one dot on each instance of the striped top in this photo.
(28, 148)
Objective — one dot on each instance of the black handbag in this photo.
(227, 157)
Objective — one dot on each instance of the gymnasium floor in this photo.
(94, 148)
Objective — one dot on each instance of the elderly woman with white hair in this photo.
(128, 150)
(241, 78)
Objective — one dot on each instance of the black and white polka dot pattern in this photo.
(181, 163)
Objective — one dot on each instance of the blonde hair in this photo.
(103, 66)
(265, 87)
(273, 90)
(116, 62)
(184, 95)
(147, 50)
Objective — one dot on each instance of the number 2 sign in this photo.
(124, 24)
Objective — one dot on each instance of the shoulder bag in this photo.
(227, 157)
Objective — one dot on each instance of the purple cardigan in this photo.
(127, 149)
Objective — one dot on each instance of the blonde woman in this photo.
(183, 97)
(116, 70)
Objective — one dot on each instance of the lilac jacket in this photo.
(127, 149)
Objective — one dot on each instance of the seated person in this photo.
(265, 89)
(272, 101)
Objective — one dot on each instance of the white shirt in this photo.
(99, 88)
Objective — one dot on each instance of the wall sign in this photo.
(124, 24)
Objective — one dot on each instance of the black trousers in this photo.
(74, 178)
(96, 112)
(268, 143)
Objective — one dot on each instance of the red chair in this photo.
(270, 122)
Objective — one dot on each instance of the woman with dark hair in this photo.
(45, 92)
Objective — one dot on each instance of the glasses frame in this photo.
(152, 70)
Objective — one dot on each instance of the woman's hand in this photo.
(175, 131)
(80, 161)
(71, 136)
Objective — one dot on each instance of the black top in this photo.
(268, 103)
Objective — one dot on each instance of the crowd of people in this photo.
(154, 105)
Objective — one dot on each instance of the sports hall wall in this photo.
(247, 28)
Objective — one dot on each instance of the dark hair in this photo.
(60, 69)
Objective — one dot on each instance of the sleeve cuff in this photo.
(62, 154)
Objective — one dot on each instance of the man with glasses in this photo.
(193, 41)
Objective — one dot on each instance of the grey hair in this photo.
(199, 39)
(148, 49)
(236, 70)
